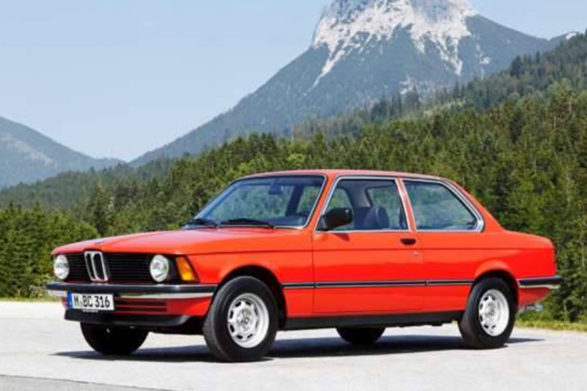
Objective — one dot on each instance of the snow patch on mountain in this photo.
(30, 152)
(409, 84)
(349, 25)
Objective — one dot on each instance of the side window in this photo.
(340, 199)
(309, 196)
(436, 208)
(376, 204)
(388, 198)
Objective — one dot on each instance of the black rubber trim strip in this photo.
(370, 284)
(137, 289)
(114, 319)
(376, 284)
(529, 282)
(449, 282)
(299, 285)
(397, 320)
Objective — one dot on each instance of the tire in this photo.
(361, 335)
(483, 328)
(113, 340)
(242, 321)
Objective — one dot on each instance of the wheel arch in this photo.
(503, 274)
(266, 276)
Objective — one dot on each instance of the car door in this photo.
(373, 265)
(450, 229)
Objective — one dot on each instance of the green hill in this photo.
(527, 75)
(356, 59)
(27, 156)
(524, 157)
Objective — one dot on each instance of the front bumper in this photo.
(161, 291)
(114, 319)
(178, 309)
(172, 324)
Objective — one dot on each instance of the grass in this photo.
(553, 325)
(44, 299)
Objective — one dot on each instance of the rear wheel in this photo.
(489, 318)
(113, 340)
(242, 322)
(360, 335)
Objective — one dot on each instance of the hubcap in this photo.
(494, 312)
(248, 320)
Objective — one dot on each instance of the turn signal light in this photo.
(185, 270)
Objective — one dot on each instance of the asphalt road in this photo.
(40, 351)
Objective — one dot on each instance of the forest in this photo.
(524, 156)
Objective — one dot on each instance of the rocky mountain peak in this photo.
(350, 25)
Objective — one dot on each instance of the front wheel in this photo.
(360, 335)
(113, 340)
(242, 322)
(489, 318)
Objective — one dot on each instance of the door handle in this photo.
(408, 241)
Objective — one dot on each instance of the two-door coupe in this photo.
(354, 250)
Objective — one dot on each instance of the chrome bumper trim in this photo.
(167, 296)
(62, 294)
(135, 291)
(161, 296)
(551, 287)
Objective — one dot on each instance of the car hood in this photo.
(197, 241)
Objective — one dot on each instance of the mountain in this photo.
(525, 158)
(527, 75)
(530, 76)
(27, 156)
(362, 51)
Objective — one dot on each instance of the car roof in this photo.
(342, 172)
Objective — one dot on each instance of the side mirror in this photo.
(276, 189)
(336, 218)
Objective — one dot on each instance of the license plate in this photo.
(90, 302)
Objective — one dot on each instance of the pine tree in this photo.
(100, 209)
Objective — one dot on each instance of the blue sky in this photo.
(117, 78)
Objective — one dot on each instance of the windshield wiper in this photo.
(203, 222)
(247, 222)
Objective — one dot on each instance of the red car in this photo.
(354, 250)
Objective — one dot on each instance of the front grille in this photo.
(96, 266)
(128, 268)
(77, 268)
(140, 306)
(123, 268)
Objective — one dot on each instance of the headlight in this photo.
(61, 267)
(159, 268)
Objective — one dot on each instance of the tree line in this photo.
(517, 141)
(525, 160)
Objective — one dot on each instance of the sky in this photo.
(117, 78)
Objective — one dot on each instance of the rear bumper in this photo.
(161, 291)
(541, 282)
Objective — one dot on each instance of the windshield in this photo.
(286, 201)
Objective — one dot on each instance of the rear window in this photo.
(437, 208)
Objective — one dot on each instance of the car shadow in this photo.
(300, 348)
(331, 347)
